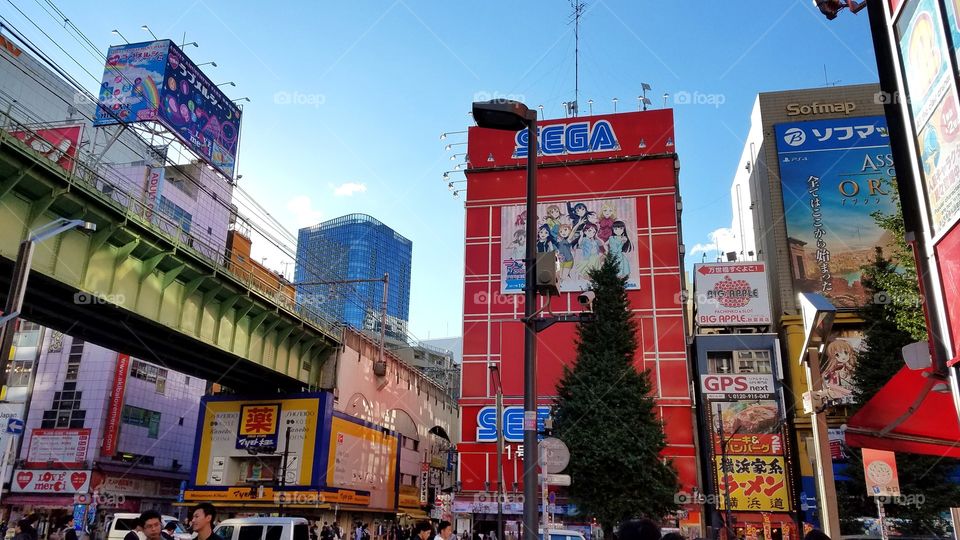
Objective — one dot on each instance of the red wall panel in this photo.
(492, 328)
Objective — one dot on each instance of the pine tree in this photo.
(894, 319)
(606, 416)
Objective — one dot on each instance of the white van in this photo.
(562, 534)
(264, 528)
(118, 525)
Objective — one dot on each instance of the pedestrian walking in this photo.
(25, 530)
(152, 524)
(423, 531)
(136, 533)
(169, 531)
(444, 531)
(202, 519)
(638, 529)
(816, 534)
(69, 532)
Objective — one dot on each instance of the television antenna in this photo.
(577, 7)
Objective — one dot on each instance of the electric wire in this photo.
(249, 204)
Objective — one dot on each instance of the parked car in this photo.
(264, 528)
(562, 534)
(119, 524)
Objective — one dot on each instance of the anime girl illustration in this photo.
(619, 244)
(553, 220)
(545, 241)
(565, 250)
(518, 248)
(838, 374)
(590, 248)
(578, 218)
(607, 216)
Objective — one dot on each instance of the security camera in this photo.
(586, 299)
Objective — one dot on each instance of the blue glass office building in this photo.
(352, 247)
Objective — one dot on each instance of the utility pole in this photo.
(728, 519)
(283, 468)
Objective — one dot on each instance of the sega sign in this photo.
(512, 423)
(575, 138)
(735, 386)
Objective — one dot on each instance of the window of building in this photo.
(19, 372)
(137, 416)
(150, 373)
(719, 362)
(127, 457)
(753, 361)
(180, 216)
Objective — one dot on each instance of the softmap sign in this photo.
(731, 294)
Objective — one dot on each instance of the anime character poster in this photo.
(939, 143)
(839, 365)
(833, 175)
(923, 47)
(580, 232)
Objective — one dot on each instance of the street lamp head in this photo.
(503, 114)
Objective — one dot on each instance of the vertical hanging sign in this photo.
(111, 430)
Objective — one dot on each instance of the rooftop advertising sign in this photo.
(156, 81)
(731, 294)
(834, 174)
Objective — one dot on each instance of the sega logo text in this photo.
(575, 138)
(512, 423)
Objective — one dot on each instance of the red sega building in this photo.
(624, 163)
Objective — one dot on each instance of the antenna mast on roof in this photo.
(577, 6)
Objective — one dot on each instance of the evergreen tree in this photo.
(605, 413)
(894, 319)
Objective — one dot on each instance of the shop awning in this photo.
(908, 415)
(39, 501)
(415, 513)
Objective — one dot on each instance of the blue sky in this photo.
(348, 99)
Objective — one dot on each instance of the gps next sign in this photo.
(737, 386)
(731, 294)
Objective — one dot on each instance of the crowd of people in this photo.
(203, 518)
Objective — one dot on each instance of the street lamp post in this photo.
(495, 370)
(18, 281)
(283, 467)
(514, 116)
(818, 315)
(728, 515)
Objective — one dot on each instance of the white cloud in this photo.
(302, 209)
(347, 189)
(722, 240)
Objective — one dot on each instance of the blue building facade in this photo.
(355, 247)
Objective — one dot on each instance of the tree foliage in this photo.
(893, 319)
(606, 415)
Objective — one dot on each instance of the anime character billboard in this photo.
(580, 232)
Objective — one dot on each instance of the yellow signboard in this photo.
(409, 497)
(363, 457)
(754, 483)
(269, 495)
(231, 429)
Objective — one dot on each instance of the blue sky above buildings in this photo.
(348, 99)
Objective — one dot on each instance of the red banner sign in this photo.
(59, 145)
(112, 430)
